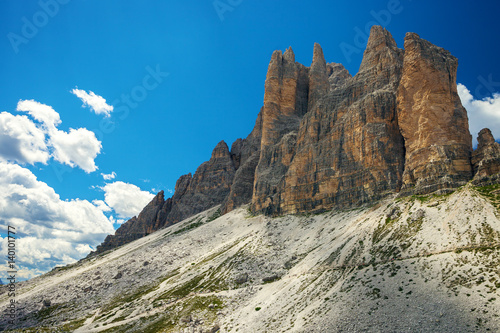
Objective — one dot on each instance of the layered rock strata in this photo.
(349, 149)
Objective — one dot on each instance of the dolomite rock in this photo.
(337, 75)
(245, 154)
(432, 120)
(318, 77)
(347, 149)
(209, 186)
(136, 227)
(285, 102)
(486, 158)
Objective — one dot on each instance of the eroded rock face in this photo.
(136, 227)
(432, 120)
(285, 102)
(209, 187)
(486, 158)
(245, 154)
(348, 148)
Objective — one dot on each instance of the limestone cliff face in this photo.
(324, 139)
(209, 186)
(285, 102)
(432, 120)
(349, 149)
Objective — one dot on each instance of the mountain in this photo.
(325, 139)
(356, 204)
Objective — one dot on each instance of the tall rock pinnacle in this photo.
(432, 119)
(318, 78)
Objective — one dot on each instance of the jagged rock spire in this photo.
(318, 77)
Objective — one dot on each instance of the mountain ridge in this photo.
(325, 139)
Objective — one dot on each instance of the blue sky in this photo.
(194, 72)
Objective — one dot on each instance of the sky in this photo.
(105, 103)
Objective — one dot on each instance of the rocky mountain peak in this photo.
(486, 159)
(381, 51)
(318, 77)
(432, 119)
(485, 138)
(220, 151)
(289, 56)
(318, 61)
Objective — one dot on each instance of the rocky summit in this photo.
(356, 204)
(325, 139)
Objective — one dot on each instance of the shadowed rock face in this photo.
(325, 139)
(136, 227)
(245, 154)
(209, 186)
(285, 102)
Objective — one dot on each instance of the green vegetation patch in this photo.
(190, 226)
(215, 215)
(491, 193)
(175, 316)
(383, 229)
(49, 311)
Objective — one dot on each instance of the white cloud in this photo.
(21, 140)
(78, 147)
(482, 113)
(41, 112)
(109, 176)
(117, 221)
(102, 206)
(95, 102)
(127, 200)
(51, 231)
(24, 140)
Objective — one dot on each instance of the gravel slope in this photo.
(417, 264)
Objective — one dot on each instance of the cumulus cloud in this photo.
(95, 102)
(482, 112)
(41, 112)
(21, 140)
(127, 200)
(78, 147)
(102, 205)
(51, 231)
(109, 176)
(35, 138)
